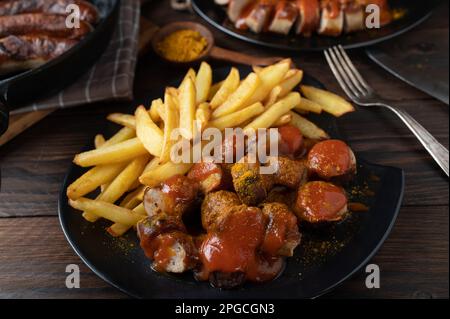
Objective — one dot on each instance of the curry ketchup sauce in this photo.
(331, 158)
(233, 247)
(291, 140)
(320, 201)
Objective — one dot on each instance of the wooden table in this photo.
(413, 261)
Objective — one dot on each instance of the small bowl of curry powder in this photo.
(183, 42)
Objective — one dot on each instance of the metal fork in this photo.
(362, 94)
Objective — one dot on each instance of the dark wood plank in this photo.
(413, 261)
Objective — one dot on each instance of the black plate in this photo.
(24, 87)
(416, 12)
(350, 245)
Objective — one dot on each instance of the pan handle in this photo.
(4, 117)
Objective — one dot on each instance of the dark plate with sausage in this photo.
(281, 25)
(42, 50)
(332, 248)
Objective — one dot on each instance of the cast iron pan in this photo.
(348, 247)
(51, 77)
(415, 12)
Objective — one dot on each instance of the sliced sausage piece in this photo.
(291, 140)
(88, 12)
(353, 16)
(288, 172)
(174, 196)
(41, 24)
(331, 159)
(282, 234)
(251, 186)
(236, 7)
(309, 16)
(321, 202)
(286, 14)
(332, 18)
(215, 207)
(259, 16)
(210, 176)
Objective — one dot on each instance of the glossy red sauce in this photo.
(291, 140)
(321, 201)
(201, 171)
(240, 23)
(234, 247)
(310, 13)
(277, 232)
(330, 158)
(332, 8)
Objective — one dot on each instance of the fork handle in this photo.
(436, 149)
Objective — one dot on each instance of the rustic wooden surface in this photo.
(413, 261)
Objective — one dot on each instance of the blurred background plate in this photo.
(415, 12)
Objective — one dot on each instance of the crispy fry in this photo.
(273, 96)
(126, 120)
(308, 106)
(290, 82)
(227, 87)
(237, 118)
(122, 183)
(173, 92)
(214, 89)
(134, 198)
(239, 97)
(170, 124)
(99, 140)
(330, 102)
(203, 82)
(270, 116)
(121, 136)
(163, 172)
(148, 132)
(308, 128)
(92, 179)
(270, 77)
(283, 120)
(107, 210)
(156, 110)
(189, 74)
(187, 108)
(116, 153)
(203, 114)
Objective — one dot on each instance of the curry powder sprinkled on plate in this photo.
(182, 45)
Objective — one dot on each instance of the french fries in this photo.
(116, 153)
(148, 132)
(170, 124)
(273, 113)
(308, 128)
(107, 210)
(93, 179)
(237, 118)
(308, 106)
(121, 167)
(163, 172)
(187, 101)
(269, 77)
(239, 97)
(330, 102)
(226, 88)
(203, 82)
(126, 120)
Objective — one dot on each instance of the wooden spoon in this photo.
(211, 50)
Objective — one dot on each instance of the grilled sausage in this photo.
(285, 15)
(215, 206)
(210, 176)
(331, 159)
(175, 196)
(320, 201)
(291, 140)
(332, 18)
(309, 16)
(19, 53)
(288, 172)
(88, 12)
(235, 8)
(282, 234)
(41, 24)
(251, 186)
(259, 16)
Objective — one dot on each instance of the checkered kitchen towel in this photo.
(113, 74)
